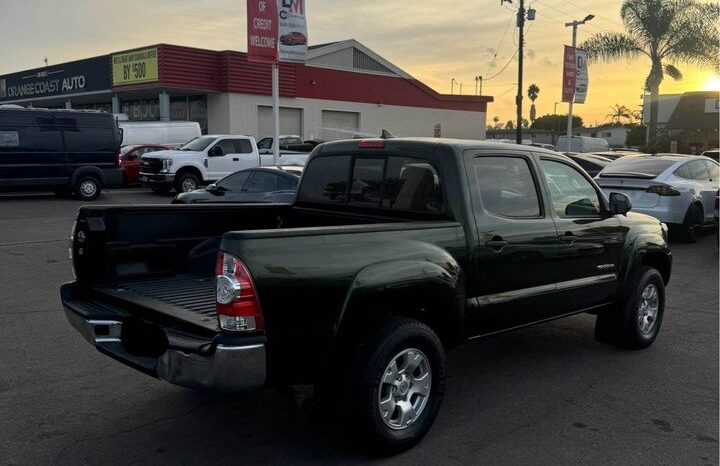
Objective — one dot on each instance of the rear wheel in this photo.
(635, 323)
(87, 188)
(693, 224)
(399, 382)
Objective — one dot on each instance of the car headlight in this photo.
(167, 163)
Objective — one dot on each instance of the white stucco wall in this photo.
(238, 114)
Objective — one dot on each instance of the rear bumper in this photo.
(191, 361)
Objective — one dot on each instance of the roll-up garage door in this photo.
(339, 125)
(290, 121)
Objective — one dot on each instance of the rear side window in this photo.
(699, 170)
(45, 138)
(507, 187)
(78, 139)
(285, 182)
(683, 172)
(262, 182)
(227, 146)
(243, 146)
(325, 180)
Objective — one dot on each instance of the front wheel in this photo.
(186, 183)
(399, 386)
(635, 323)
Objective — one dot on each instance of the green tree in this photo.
(618, 113)
(636, 136)
(510, 125)
(557, 123)
(496, 122)
(666, 32)
(532, 92)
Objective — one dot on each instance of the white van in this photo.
(167, 133)
(582, 144)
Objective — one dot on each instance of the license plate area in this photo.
(141, 338)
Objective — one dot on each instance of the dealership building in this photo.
(343, 90)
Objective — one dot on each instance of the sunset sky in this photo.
(433, 40)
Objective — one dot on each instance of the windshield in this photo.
(645, 167)
(198, 144)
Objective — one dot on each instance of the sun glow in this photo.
(712, 84)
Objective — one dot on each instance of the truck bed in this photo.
(189, 298)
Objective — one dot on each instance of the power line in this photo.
(564, 13)
(497, 49)
(589, 11)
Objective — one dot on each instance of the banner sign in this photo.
(293, 31)
(581, 80)
(75, 77)
(569, 75)
(262, 31)
(136, 67)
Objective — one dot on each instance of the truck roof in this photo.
(461, 144)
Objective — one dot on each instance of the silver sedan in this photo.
(677, 190)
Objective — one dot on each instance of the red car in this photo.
(130, 159)
(293, 38)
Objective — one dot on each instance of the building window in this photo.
(606, 134)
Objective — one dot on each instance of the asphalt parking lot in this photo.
(544, 395)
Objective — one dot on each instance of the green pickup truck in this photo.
(394, 251)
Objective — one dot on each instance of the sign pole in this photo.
(570, 105)
(276, 113)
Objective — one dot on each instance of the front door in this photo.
(233, 155)
(591, 239)
(516, 243)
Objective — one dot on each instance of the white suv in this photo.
(203, 160)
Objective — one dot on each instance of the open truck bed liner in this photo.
(190, 298)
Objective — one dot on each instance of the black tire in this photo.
(692, 224)
(163, 190)
(623, 325)
(183, 182)
(87, 188)
(395, 336)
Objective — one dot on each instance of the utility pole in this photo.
(452, 86)
(521, 42)
(574, 25)
(478, 79)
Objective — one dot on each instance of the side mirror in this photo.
(211, 187)
(215, 152)
(619, 204)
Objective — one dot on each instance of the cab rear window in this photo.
(390, 183)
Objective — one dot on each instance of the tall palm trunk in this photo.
(653, 85)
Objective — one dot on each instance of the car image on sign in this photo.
(293, 38)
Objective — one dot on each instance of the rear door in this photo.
(516, 242)
(87, 142)
(705, 175)
(591, 240)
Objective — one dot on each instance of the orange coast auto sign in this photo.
(262, 31)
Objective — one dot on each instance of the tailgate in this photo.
(633, 188)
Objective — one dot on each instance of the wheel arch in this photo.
(421, 290)
(87, 171)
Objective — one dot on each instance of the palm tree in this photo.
(667, 32)
(618, 113)
(496, 120)
(532, 92)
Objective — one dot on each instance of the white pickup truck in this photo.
(205, 159)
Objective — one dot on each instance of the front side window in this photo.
(234, 182)
(198, 144)
(571, 194)
(227, 146)
(507, 187)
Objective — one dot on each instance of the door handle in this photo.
(235, 159)
(568, 237)
(496, 244)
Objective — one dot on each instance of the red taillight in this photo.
(238, 308)
(371, 144)
(119, 159)
(662, 190)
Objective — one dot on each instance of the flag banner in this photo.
(262, 31)
(293, 39)
(582, 80)
(569, 75)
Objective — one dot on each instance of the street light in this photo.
(574, 25)
(452, 86)
(478, 79)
